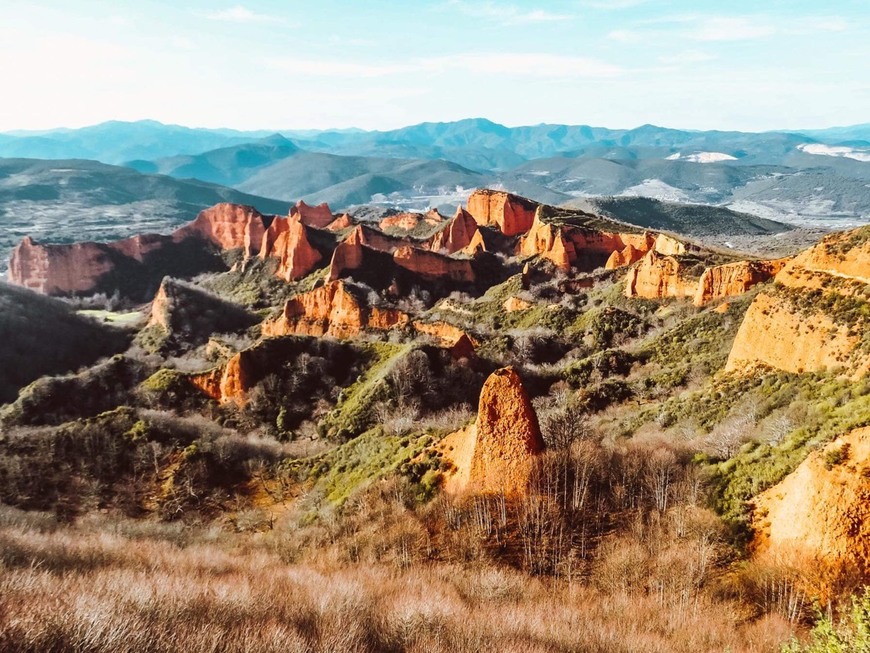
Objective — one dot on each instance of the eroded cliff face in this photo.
(818, 517)
(228, 226)
(547, 241)
(434, 266)
(228, 383)
(81, 268)
(507, 436)
(458, 234)
(332, 310)
(341, 223)
(734, 279)
(814, 317)
(318, 216)
(512, 214)
(658, 276)
(406, 222)
(59, 269)
(287, 240)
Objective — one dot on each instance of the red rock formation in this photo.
(508, 437)
(734, 279)
(287, 240)
(75, 268)
(548, 241)
(657, 277)
(628, 256)
(457, 235)
(434, 266)
(78, 268)
(410, 221)
(332, 310)
(788, 329)
(312, 216)
(818, 517)
(446, 334)
(229, 383)
(229, 226)
(341, 223)
(348, 255)
(512, 304)
(511, 214)
(476, 245)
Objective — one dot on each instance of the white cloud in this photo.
(506, 14)
(624, 36)
(613, 4)
(535, 64)
(240, 14)
(332, 68)
(530, 64)
(686, 57)
(722, 28)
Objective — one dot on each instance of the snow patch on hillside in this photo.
(835, 150)
(657, 189)
(702, 157)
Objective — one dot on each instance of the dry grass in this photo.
(96, 587)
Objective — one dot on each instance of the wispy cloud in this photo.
(613, 4)
(241, 14)
(721, 28)
(535, 64)
(505, 14)
(686, 57)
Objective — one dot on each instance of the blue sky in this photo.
(293, 64)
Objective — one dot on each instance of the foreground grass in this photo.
(126, 588)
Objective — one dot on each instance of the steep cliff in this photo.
(434, 266)
(335, 310)
(287, 240)
(457, 234)
(507, 436)
(134, 266)
(312, 216)
(818, 517)
(512, 214)
(734, 279)
(658, 276)
(228, 226)
(817, 314)
(341, 223)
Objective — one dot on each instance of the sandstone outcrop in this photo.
(228, 226)
(512, 214)
(446, 334)
(430, 265)
(734, 279)
(341, 223)
(228, 383)
(407, 222)
(512, 304)
(457, 234)
(333, 310)
(507, 438)
(814, 317)
(818, 517)
(627, 256)
(549, 242)
(312, 216)
(287, 240)
(87, 267)
(658, 276)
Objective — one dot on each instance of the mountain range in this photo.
(152, 176)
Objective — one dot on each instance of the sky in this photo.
(317, 64)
